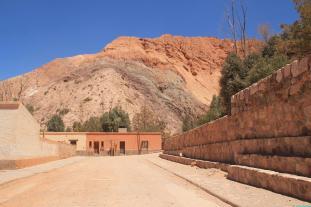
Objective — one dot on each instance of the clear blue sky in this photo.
(33, 32)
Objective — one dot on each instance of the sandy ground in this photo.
(105, 181)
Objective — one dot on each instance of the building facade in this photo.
(109, 143)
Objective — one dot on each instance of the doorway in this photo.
(144, 146)
(96, 147)
(122, 147)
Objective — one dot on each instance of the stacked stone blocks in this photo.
(269, 128)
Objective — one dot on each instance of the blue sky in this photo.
(34, 32)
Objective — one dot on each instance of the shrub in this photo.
(188, 123)
(77, 127)
(216, 111)
(293, 42)
(87, 99)
(296, 40)
(93, 124)
(232, 79)
(30, 108)
(266, 66)
(115, 118)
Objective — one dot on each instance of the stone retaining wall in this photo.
(199, 163)
(278, 106)
(293, 165)
(292, 185)
(227, 151)
(269, 127)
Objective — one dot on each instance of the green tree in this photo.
(55, 124)
(251, 60)
(188, 123)
(115, 118)
(266, 66)
(216, 111)
(295, 38)
(93, 124)
(270, 49)
(77, 127)
(238, 74)
(293, 42)
(232, 79)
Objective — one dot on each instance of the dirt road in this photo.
(105, 181)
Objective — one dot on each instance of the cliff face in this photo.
(172, 75)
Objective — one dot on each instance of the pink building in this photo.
(110, 143)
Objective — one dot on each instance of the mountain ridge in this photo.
(174, 75)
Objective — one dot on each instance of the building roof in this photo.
(100, 133)
(9, 105)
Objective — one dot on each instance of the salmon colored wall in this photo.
(154, 140)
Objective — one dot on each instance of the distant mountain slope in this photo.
(173, 75)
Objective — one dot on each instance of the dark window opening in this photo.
(90, 144)
(122, 147)
(102, 144)
(73, 142)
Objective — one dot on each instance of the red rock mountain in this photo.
(173, 75)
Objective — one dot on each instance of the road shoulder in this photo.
(7, 176)
(214, 181)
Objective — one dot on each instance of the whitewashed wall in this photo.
(7, 132)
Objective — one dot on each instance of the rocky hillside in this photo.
(172, 75)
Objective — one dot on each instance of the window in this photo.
(73, 142)
(90, 144)
(102, 144)
(144, 145)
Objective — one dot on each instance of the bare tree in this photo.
(230, 14)
(146, 120)
(6, 92)
(138, 140)
(13, 91)
(237, 19)
(139, 123)
(242, 26)
(23, 83)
